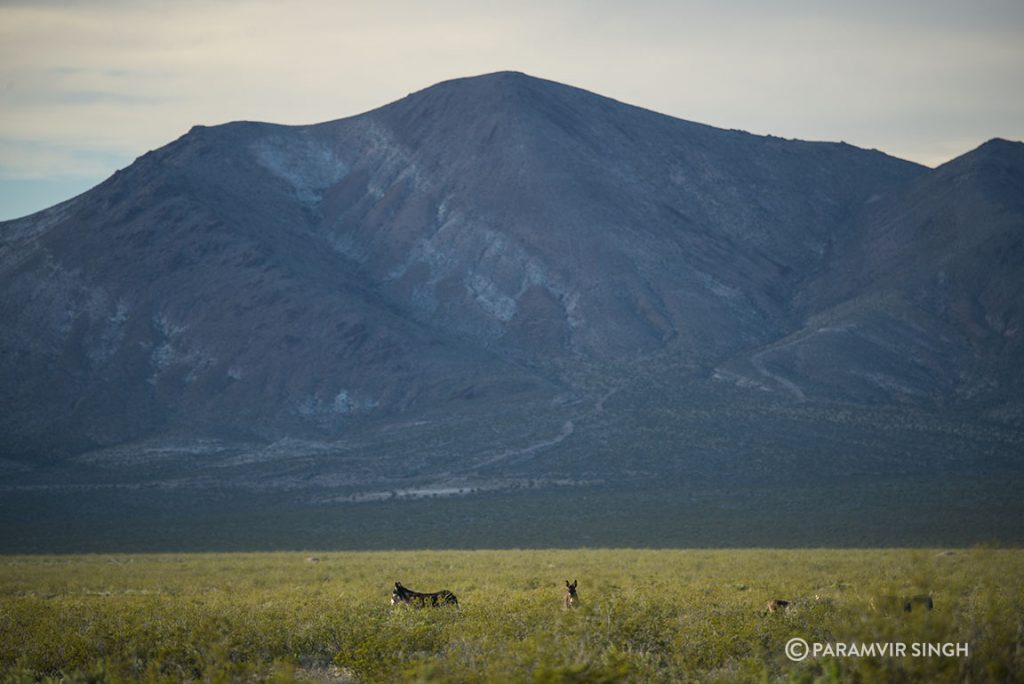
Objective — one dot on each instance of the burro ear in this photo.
(574, 584)
(398, 585)
(567, 583)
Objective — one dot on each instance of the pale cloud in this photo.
(38, 160)
(921, 80)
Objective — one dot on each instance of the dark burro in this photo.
(502, 290)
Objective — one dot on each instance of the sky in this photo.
(87, 86)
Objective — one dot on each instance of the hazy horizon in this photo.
(88, 88)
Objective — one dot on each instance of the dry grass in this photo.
(645, 615)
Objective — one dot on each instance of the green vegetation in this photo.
(848, 512)
(645, 616)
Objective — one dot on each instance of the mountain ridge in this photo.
(495, 261)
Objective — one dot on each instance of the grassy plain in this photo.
(646, 615)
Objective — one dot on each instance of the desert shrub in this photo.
(645, 616)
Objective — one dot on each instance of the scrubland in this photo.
(645, 615)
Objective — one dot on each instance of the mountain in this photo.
(503, 280)
(919, 300)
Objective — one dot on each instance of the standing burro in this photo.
(570, 599)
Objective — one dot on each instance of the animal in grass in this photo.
(923, 600)
(403, 596)
(892, 605)
(778, 605)
(886, 604)
(570, 599)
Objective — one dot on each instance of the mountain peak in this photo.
(1001, 144)
(500, 89)
(507, 76)
(494, 79)
(1000, 148)
(994, 150)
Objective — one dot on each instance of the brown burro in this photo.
(777, 605)
(401, 595)
(570, 599)
(923, 600)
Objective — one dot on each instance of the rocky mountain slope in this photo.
(483, 272)
(919, 301)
